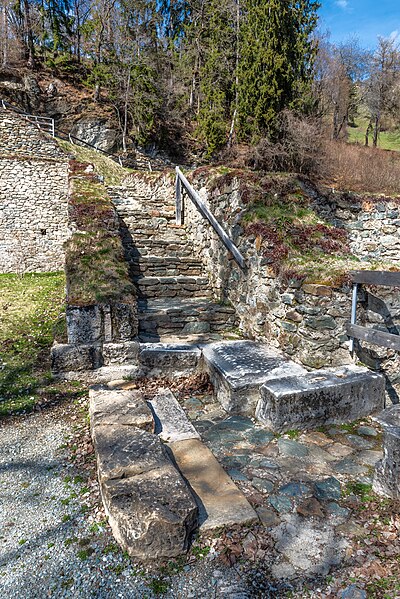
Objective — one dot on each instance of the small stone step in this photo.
(182, 316)
(219, 500)
(160, 266)
(169, 359)
(320, 398)
(239, 368)
(151, 287)
(171, 421)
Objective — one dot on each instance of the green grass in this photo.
(112, 172)
(388, 140)
(30, 308)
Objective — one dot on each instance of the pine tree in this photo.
(217, 74)
(276, 61)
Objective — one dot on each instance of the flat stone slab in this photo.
(167, 358)
(123, 452)
(239, 368)
(171, 421)
(322, 397)
(119, 407)
(152, 515)
(220, 502)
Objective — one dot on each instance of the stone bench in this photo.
(321, 397)
(387, 470)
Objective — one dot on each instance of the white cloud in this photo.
(394, 36)
(342, 3)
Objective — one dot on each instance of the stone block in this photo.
(67, 357)
(84, 324)
(321, 397)
(318, 290)
(120, 353)
(239, 368)
(172, 423)
(123, 452)
(387, 470)
(124, 321)
(152, 515)
(119, 407)
(220, 501)
(163, 358)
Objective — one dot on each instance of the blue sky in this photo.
(363, 19)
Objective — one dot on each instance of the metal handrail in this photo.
(45, 123)
(183, 183)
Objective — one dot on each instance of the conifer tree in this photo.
(276, 59)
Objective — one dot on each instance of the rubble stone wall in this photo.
(33, 198)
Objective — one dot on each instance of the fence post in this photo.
(353, 314)
(178, 200)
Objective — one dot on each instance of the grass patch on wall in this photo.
(96, 269)
(30, 309)
(112, 172)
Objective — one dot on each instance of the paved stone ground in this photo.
(301, 484)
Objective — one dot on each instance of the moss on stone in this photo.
(96, 269)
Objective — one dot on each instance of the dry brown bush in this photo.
(298, 149)
(358, 168)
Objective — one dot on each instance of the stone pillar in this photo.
(387, 470)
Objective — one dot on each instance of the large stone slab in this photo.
(119, 407)
(152, 515)
(387, 471)
(66, 357)
(169, 358)
(220, 502)
(124, 451)
(320, 397)
(172, 423)
(239, 368)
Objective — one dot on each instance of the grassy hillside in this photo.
(388, 140)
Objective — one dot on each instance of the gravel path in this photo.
(50, 546)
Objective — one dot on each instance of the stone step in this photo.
(319, 398)
(153, 287)
(219, 500)
(171, 422)
(172, 247)
(160, 266)
(238, 369)
(182, 316)
(166, 359)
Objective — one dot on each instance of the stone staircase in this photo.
(174, 295)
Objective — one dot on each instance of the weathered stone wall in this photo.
(372, 223)
(33, 198)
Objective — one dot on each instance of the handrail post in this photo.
(353, 314)
(178, 199)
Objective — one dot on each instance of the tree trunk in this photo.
(367, 133)
(376, 131)
(29, 35)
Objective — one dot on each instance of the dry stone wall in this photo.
(33, 198)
